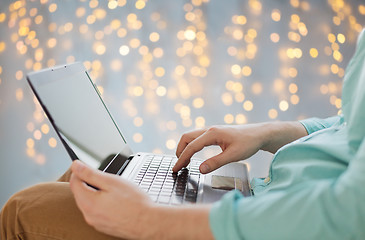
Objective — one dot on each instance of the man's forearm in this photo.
(180, 222)
(279, 134)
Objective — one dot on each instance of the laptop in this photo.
(89, 133)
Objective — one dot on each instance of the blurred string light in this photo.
(183, 83)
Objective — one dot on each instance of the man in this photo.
(315, 188)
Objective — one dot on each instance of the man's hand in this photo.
(237, 142)
(118, 208)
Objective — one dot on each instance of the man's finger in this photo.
(186, 139)
(91, 176)
(193, 147)
(83, 193)
(216, 162)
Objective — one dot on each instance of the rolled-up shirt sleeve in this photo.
(316, 124)
(315, 209)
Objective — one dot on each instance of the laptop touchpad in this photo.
(226, 183)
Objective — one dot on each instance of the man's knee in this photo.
(23, 207)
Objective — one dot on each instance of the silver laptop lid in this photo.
(79, 115)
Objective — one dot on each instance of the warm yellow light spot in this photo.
(52, 7)
(292, 72)
(33, 12)
(143, 50)
(273, 113)
(338, 103)
(189, 35)
(293, 88)
(116, 65)
(313, 52)
(171, 144)
(38, 19)
(324, 89)
(246, 71)
(336, 20)
(160, 72)
(138, 121)
(362, 9)
(227, 99)
(124, 50)
(52, 42)
(30, 152)
(115, 24)
(294, 99)
(279, 85)
(23, 31)
(283, 105)
(90, 19)
(185, 112)
(331, 38)
(248, 105)
(237, 34)
(113, 4)
(134, 43)
(189, 16)
(122, 32)
(199, 122)
(337, 56)
(198, 102)
(332, 88)
(30, 143)
(200, 36)
(295, 18)
(236, 69)
(228, 118)
(334, 68)
(154, 37)
(293, 36)
(18, 75)
(2, 46)
(137, 137)
(80, 12)
(204, 61)
(19, 94)
(140, 4)
(40, 159)
(241, 119)
(256, 88)
(276, 15)
(52, 142)
(274, 37)
(138, 91)
(180, 70)
(37, 134)
(2, 17)
(232, 51)
(45, 128)
(237, 87)
(242, 20)
(188, 46)
(161, 91)
(99, 48)
(30, 127)
(239, 97)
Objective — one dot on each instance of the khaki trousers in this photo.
(45, 211)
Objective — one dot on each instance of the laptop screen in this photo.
(79, 115)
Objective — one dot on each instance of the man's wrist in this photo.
(177, 222)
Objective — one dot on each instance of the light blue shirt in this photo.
(316, 185)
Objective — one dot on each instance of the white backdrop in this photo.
(166, 67)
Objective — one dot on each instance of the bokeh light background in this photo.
(166, 67)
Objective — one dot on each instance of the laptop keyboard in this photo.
(165, 187)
